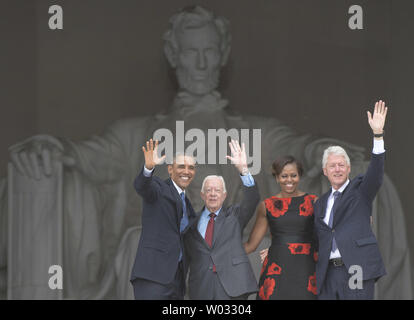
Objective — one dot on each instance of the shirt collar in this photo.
(179, 190)
(341, 189)
(206, 212)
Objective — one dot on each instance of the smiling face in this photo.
(336, 170)
(182, 171)
(213, 194)
(289, 180)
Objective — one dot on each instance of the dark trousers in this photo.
(336, 286)
(150, 290)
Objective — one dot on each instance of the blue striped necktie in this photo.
(184, 219)
(330, 222)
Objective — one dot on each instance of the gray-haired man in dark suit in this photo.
(219, 266)
(343, 221)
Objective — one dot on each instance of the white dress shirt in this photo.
(336, 253)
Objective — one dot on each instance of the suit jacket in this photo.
(160, 243)
(351, 225)
(227, 251)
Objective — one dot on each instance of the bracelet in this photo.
(379, 135)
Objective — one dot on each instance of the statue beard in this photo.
(198, 87)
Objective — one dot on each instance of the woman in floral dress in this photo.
(288, 271)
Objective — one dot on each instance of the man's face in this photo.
(213, 194)
(182, 171)
(199, 59)
(336, 170)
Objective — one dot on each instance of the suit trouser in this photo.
(150, 290)
(336, 286)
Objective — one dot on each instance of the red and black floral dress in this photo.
(288, 271)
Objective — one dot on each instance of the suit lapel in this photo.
(218, 224)
(192, 218)
(339, 205)
(194, 227)
(177, 199)
(190, 211)
(321, 209)
(195, 221)
(323, 203)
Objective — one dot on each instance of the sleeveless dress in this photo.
(288, 272)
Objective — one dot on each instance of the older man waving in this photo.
(219, 266)
(347, 244)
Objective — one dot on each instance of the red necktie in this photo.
(209, 233)
(210, 230)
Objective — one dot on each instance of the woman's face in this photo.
(289, 179)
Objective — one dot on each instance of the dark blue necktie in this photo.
(331, 217)
(184, 219)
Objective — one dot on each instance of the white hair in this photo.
(214, 176)
(335, 150)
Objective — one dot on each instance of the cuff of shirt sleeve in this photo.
(147, 173)
(247, 180)
(378, 146)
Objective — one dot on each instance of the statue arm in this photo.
(104, 158)
(97, 159)
(100, 159)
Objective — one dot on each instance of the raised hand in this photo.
(151, 155)
(377, 119)
(238, 156)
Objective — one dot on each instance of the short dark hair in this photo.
(281, 162)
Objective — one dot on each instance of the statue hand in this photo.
(33, 157)
(238, 156)
(151, 155)
(314, 152)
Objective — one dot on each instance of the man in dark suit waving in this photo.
(219, 266)
(160, 264)
(349, 261)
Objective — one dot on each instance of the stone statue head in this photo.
(197, 45)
